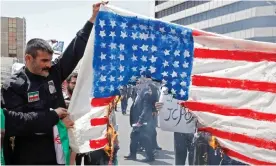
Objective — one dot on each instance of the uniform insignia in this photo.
(52, 87)
(33, 96)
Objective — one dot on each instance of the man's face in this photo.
(41, 64)
(71, 85)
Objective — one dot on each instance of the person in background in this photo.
(155, 98)
(124, 99)
(71, 83)
(37, 89)
(141, 122)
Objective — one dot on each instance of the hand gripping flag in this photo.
(228, 84)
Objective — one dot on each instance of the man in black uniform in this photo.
(36, 89)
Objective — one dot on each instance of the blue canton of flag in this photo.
(127, 48)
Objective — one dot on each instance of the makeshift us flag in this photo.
(60, 139)
(228, 84)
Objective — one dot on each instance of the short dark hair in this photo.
(75, 75)
(36, 44)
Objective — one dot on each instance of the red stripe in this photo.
(98, 143)
(202, 33)
(233, 83)
(97, 102)
(98, 121)
(246, 159)
(235, 137)
(229, 111)
(235, 55)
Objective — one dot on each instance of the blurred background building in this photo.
(253, 20)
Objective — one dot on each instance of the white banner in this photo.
(173, 117)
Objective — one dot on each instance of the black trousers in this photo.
(93, 158)
(183, 143)
(142, 135)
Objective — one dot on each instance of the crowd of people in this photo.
(30, 93)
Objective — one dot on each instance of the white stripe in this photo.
(265, 130)
(255, 71)
(228, 43)
(249, 151)
(259, 101)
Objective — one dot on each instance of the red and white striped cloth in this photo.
(233, 95)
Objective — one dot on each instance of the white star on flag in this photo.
(153, 48)
(182, 93)
(153, 59)
(174, 74)
(165, 63)
(103, 56)
(134, 26)
(133, 78)
(123, 25)
(112, 23)
(144, 47)
(183, 83)
(101, 89)
(176, 64)
(165, 74)
(121, 78)
(121, 57)
(111, 78)
(134, 35)
(102, 33)
(112, 68)
(134, 58)
(167, 52)
(112, 46)
(122, 47)
(111, 89)
(123, 34)
(143, 69)
(173, 91)
(183, 74)
(152, 36)
(103, 45)
(112, 57)
(102, 23)
(103, 78)
(112, 34)
(121, 68)
(102, 67)
(177, 53)
(186, 65)
(144, 58)
(134, 47)
(162, 29)
(186, 54)
(152, 69)
(134, 68)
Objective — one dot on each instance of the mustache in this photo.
(46, 69)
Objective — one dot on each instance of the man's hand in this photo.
(68, 122)
(159, 106)
(62, 112)
(96, 8)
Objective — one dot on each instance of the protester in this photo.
(36, 89)
(124, 99)
(71, 83)
(141, 122)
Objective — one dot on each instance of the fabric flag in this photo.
(2, 128)
(61, 141)
(228, 84)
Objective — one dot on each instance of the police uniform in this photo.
(25, 92)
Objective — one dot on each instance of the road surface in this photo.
(165, 141)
